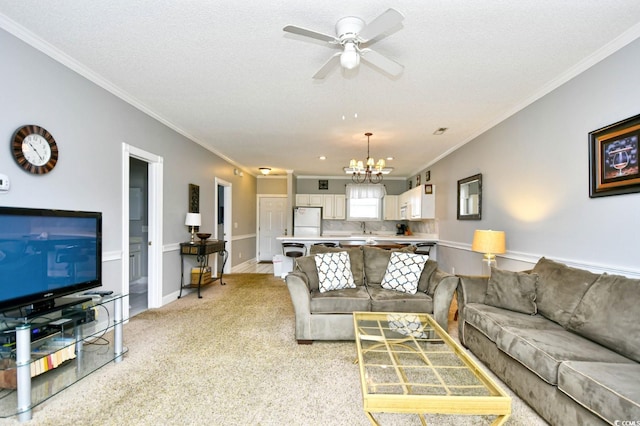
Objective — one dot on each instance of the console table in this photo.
(201, 250)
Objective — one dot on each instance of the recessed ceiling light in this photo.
(322, 157)
(440, 131)
(389, 158)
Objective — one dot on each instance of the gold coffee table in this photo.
(409, 364)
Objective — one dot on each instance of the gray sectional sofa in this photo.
(566, 340)
(329, 315)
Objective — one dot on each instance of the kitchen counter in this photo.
(370, 239)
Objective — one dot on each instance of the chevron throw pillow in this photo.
(334, 271)
(403, 272)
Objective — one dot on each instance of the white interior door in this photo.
(271, 224)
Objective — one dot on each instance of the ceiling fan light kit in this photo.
(352, 31)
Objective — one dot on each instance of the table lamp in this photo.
(193, 220)
(490, 243)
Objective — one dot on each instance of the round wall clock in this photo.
(34, 149)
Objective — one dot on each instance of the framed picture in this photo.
(613, 159)
(428, 189)
(418, 180)
(427, 176)
(194, 198)
(323, 184)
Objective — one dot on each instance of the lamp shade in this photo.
(488, 242)
(193, 219)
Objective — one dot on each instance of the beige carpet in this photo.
(228, 359)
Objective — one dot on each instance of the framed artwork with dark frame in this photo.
(418, 180)
(428, 189)
(613, 159)
(194, 198)
(427, 176)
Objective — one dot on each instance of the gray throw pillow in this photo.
(515, 291)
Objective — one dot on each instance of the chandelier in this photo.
(368, 170)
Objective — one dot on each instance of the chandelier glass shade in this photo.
(368, 171)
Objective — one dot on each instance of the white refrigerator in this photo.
(307, 221)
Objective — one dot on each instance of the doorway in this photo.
(138, 236)
(272, 218)
(222, 219)
(142, 183)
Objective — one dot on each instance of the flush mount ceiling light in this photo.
(265, 170)
(368, 171)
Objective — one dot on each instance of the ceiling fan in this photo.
(351, 33)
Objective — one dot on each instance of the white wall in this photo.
(535, 170)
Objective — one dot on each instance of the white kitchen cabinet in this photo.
(309, 200)
(135, 261)
(391, 207)
(333, 206)
(421, 205)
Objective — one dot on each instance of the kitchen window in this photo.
(364, 202)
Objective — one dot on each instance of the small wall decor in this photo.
(428, 189)
(323, 184)
(427, 176)
(418, 180)
(613, 159)
(194, 198)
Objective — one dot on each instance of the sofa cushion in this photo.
(403, 272)
(490, 320)
(515, 291)
(542, 351)
(307, 264)
(394, 301)
(334, 271)
(609, 313)
(344, 301)
(355, 256)
(560, 288)
(609, 390)
(425, 284)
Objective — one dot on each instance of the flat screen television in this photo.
(46, 254)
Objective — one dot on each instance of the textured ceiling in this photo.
(225, 74)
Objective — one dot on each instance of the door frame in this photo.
(155, 212)
(228, 233)
(258, 197)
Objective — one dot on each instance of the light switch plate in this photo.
(4, 183)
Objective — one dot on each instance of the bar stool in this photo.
(326, 244)
(294, 249)
(423, 248)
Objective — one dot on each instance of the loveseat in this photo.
(565, 340)
(329, 315)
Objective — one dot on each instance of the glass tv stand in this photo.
(43, 354)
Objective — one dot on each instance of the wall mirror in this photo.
(470, 198)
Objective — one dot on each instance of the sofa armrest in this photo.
(298, 285)
(445, 287)
(471, 289)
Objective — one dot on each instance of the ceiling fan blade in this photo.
(381, 24)
(385, 64)
(309, 33)
(324, 71)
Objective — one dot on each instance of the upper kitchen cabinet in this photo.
(333, 206)
(391, 207)
(422, 202)
(309, 200)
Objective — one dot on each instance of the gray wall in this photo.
(306, 185)
(90, 125)
(535, 170)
